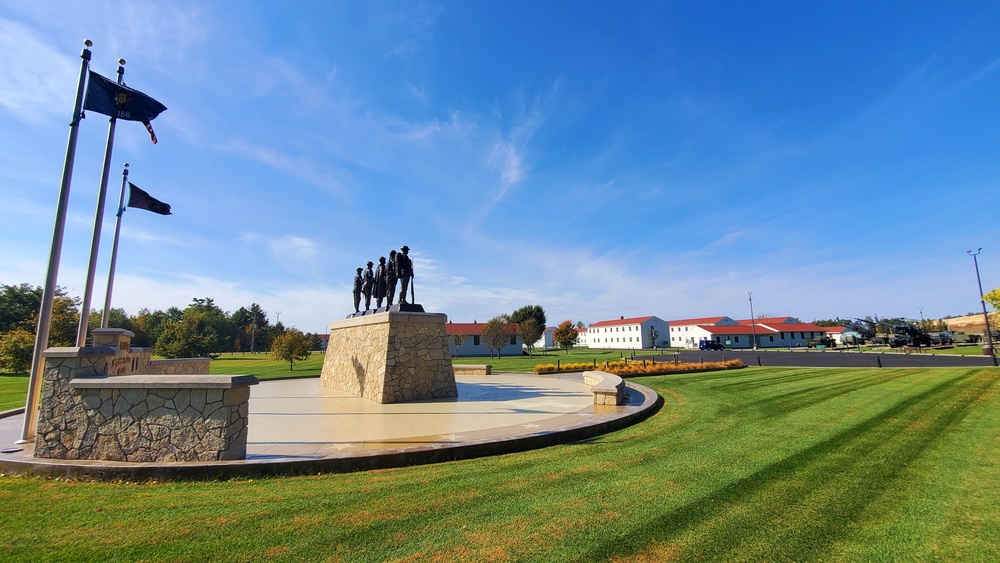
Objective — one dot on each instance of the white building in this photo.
(473, 344)
(546, 341)
(581, 337)
(777, 335)
(632, 333)
(683, 333)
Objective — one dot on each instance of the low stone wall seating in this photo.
(608, 388)
(473, 369)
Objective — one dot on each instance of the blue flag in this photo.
(117, 100)
(141, 200)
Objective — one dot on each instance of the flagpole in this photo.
(114, 250)
(52, 275)
(81, 332)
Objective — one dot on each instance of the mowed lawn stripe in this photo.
(760, 463)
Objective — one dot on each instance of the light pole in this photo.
(982, 301)
(753, 325)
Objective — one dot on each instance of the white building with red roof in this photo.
(683, 333)
(630, 333)
(768, 335)
(473, 344)
(769, 320)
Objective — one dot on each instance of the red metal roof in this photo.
(794, 327)
(699, 321)
(727, 329)
(468, 328)
(768, 320)
(623, 321)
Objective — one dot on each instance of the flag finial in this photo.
(88, 43)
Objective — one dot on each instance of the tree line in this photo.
(202, 329)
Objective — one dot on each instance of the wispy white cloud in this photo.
(294, 251)
(296, 166)
(37, 80)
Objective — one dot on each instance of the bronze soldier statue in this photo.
(404, 269)
(380, 282)
(390, 278)
(357, 291)
(367, 285)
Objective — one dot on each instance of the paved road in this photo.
(832, 358)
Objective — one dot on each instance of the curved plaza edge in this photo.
(582, 423)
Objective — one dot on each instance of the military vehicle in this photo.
(824, 341)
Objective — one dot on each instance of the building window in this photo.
(475, 340)
(771, 339)
(737, 339)
(513, 340)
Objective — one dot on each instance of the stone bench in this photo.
(608, 388)
(473, 369)
(161, 417)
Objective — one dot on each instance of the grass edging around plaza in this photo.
(756, 464)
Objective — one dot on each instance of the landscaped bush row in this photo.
(646, 367)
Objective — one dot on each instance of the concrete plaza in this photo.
(297, 426)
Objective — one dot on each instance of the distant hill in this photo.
(972, 323)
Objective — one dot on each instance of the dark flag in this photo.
(141, 200)
(117, 100)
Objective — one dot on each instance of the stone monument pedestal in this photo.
(390, 357)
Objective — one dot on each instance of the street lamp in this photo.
(988, 348)
(753, 325)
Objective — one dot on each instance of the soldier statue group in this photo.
(381, 283)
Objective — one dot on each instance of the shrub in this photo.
(647, 367)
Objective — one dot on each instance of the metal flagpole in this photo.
(51, 277)
(114, 250)
(81, 331)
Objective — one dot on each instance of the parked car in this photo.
(710, 345)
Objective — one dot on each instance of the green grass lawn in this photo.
(575, 355)
(974, 350)
(264, 367)
(13, 389)
(757, 464)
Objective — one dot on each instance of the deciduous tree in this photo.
(191, 337)
(530, 332)
(529, 312)
(458, 340)
(16, 348)
(290, 346)
(497, 332)
(565, 335)
(993, 298)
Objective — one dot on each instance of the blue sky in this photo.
(599, 159)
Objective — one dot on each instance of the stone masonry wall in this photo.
(390, 357)
(92, 407)
(60, 412)
(161, 425)
(180, 366)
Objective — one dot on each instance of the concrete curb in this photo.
(641, 403)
